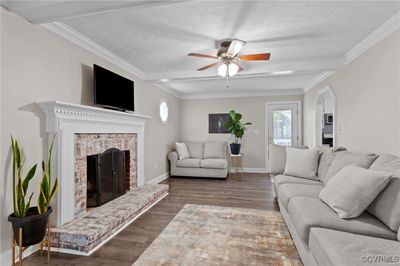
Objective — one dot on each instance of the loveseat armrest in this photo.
(173, 156)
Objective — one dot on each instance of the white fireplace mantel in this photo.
(63, 121)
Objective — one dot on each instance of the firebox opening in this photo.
(107, 175)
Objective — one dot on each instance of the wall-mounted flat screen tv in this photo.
(112, 90)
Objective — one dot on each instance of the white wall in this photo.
(367, 101)
(38, 65)
(194, 121)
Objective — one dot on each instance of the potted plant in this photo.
(31, 220)
(237, 128)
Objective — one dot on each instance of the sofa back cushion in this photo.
(196, 149)
(215, 150)
(302, 163)
(325, 160)
(345, 158)
(277, 158)
(386, 207)
(351, 190)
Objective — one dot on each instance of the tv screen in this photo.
(112, 90)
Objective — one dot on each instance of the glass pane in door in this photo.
(282, 127)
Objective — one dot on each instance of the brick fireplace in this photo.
(80, 131)
(87, 144)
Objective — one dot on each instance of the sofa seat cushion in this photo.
(288, 191)
(287, 179)
(214, 163)
(189, 163)
(331, 247)
(307, 213)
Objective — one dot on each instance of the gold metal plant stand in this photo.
(21, 249)
(236, 168)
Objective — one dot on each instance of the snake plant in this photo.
(20, 185)
(46, 194)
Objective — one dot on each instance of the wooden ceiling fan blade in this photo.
(203, 55)
(207, 66)
(255, 57)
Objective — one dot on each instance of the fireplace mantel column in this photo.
(63, 121)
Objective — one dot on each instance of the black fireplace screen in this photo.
(105, 177)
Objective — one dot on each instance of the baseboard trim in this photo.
(75, 252)
(159, 178)
(254, 170)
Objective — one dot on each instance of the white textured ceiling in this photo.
(305, 37)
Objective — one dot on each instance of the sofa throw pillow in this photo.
(215, 150)
(386, 207)
(351, 190)
(277, 158)
(302, 163)
(344, 158)
(182, 150)
(325, 160)
(196, 149)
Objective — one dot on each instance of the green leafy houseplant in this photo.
(20, 185)
(46, 194)
(237, 128)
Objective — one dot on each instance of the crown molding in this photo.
(387, 28)
(167, 89)
(82, 41)
(243, 94)
(318, 79)
(372, 39)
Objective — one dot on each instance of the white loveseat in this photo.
(207, 159)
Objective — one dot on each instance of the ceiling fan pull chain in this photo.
(227, 81)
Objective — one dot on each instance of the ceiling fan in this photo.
(228, 57)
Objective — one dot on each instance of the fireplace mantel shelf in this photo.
(56, 109)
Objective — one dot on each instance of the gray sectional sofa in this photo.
(321, 237)
(207, 159)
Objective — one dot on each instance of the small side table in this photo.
(235, 165)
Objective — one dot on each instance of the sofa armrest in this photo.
(173, 156)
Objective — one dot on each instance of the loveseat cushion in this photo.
(196, 149)
(215, 150)
(307, 213)
(386, 207)
(331, 247)
(214, 163)
(189, 163)
(287, 179)
(288, 191)
(345, 158)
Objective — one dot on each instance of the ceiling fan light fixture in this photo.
(228, 69)
(233, 69)
(222, 70)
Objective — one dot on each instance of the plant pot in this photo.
(235, 148)
(33, 226)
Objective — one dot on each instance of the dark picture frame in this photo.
(216, 123)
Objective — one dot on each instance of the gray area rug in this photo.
(211, 235)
